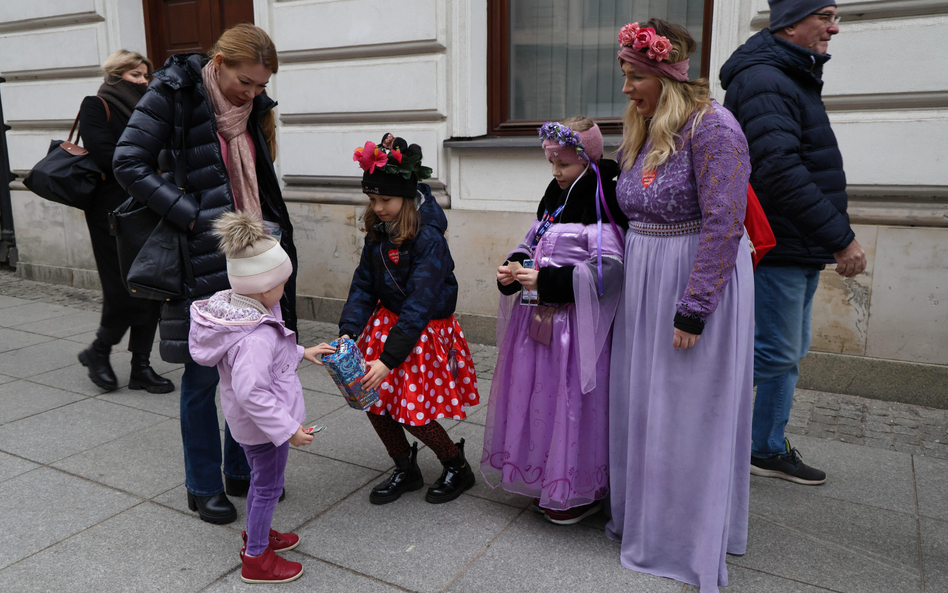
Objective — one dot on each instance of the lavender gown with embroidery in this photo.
(545, 435)
(680, 420)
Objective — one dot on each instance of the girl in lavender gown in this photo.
(547, 417)
(682, 353)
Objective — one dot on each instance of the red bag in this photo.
(758, 228)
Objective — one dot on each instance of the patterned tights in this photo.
(393, 437)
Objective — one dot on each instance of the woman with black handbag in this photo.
(229, 138)
(102, 119)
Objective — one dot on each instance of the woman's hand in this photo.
(684, 340)
(505, 276)
(300, 438)
(374, 376)
(315, 353)
(527, 277)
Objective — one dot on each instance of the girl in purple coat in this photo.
(241, 332)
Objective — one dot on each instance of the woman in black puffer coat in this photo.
(227, 165)
(101, 125)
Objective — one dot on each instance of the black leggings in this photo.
(431, 434)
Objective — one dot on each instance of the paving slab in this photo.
(934, 554)
(75, 377)
(11, 339)
(7, 301)
(73, 428)
(409, 543)
(533, 555)
(319, 405)
(349, 437)
(830, 543)
(313, 484)
(37, 359)
(318, 577)
(166, 404)
(742, 580)
(931, 482)
(11, 467)
(30, 312)
(145, 549)
(73, 323)
(6, 379)
(21, 399)
(49, 506)
(883, 478)
(146, 462)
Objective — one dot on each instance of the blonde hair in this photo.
(678, 100)
(122, 61)
(249, 44)
(578, 123)
(401, 230)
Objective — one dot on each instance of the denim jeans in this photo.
(268, 464)
(783, 305)
(201, 435)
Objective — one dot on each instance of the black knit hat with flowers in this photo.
(392, 168)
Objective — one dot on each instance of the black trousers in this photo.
(120, 310)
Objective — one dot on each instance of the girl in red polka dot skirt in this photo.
(401, 306)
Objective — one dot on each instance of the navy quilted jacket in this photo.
(141, 153)
(774, 91)
(423, 270)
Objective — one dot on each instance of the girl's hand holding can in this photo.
(301, 438)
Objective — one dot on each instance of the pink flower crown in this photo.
(656, 47)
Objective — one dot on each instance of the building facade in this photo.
(468, 80)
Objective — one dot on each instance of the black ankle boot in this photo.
(455, 479)
(217, 509)
(96, 359)
(406, 477)
(145, 377)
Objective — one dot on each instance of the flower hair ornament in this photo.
(391, 169)
(648, 52)
(572, 147)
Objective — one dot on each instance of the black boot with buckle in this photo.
(406, 477)
(455, 479)
(96, 359)
(145, 377)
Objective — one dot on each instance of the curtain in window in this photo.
(563, 53)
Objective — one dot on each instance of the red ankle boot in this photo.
(268, 568)
(280, 542)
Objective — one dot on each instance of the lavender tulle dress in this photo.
(680, 420)
(547, 417)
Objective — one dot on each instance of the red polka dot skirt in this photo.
(437, 380)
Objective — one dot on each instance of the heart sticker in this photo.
(647, 178)
(393, 255)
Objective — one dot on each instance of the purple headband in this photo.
(674, 70)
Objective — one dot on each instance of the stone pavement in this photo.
(92, 496)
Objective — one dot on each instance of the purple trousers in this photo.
(267, 464)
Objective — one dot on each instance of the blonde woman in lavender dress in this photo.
(682, 354)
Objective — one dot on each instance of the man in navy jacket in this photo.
(773, 85)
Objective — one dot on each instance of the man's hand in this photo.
(850, 261)
(374, 376)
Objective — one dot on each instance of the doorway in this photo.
(177, 26)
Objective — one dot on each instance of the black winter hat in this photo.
(784, 13)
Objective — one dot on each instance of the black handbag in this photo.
(153, 254)
(67, 174)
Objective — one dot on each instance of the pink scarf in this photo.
(232, 126)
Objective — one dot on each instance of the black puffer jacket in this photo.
(773, 89)
(136, 162)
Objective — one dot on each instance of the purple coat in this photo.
(256, 356)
